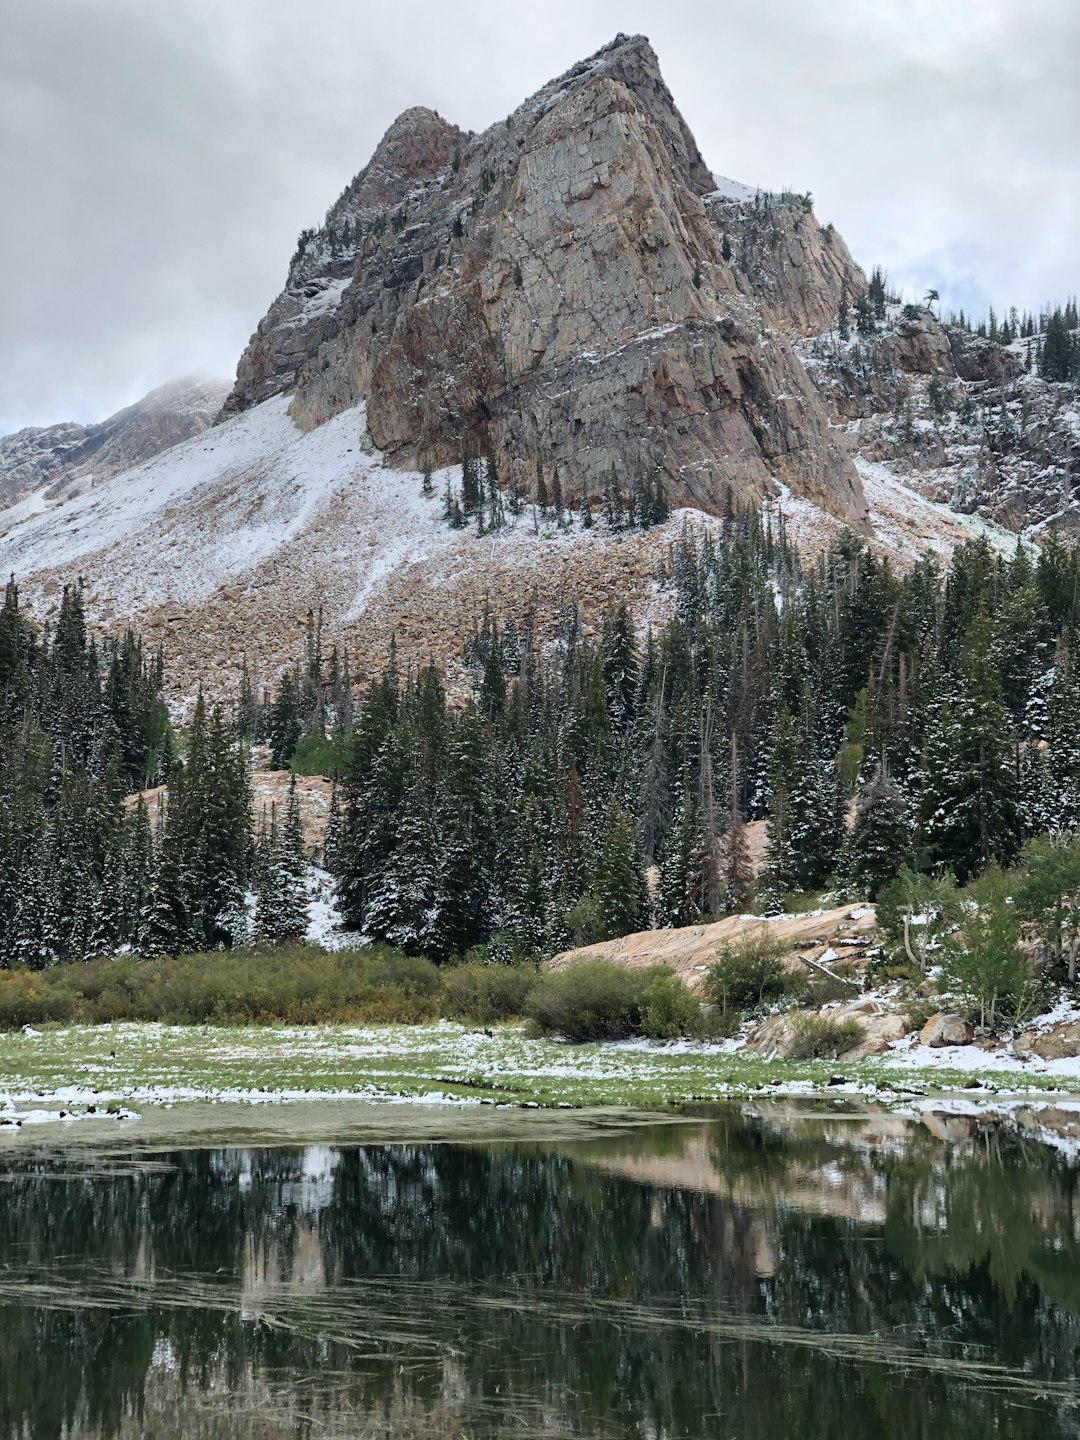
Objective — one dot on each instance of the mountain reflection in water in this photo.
(751, 1275)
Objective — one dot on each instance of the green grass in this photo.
(139, 1064)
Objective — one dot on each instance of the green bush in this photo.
(487, 993)
(667, 1007)
(293, 984)
(318, 755)
(984, 966)
(598, 1000)
(590, 1000)
(750, 975)
(819, 1037)
(915, 914)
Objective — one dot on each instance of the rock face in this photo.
(941, 1030)
(554, 292)
(63, 460)
(793, 268)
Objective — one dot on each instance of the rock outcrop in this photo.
(61, 461)
(1060, 1042)
(554, 292)
(792, 267)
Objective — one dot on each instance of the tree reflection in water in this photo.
(751, 1275)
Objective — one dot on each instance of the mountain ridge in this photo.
(683, 328)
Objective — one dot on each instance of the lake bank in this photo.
(110, 1073)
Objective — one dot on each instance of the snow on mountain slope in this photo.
(220, 546)
(734, 190)
(45, 466)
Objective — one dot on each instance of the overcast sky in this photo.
(159, 157)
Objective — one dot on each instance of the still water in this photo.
(757, 1274)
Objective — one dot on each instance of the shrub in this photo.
(667, 1007)
(589, 1000)
(318, 754)
(984, 967)
(750, 975)
(487, 993)
(915, 913)
(819, 1037)
(597, 1000)
(293, 984)
(816, 990)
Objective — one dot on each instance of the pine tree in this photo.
(968, 807)
(675, 899)
(585, 509)
(620, 888)
(280, 908)
(880, 839)
(736, 868)
(283, 725)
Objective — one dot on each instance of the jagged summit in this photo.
(415, 149)
(630, 60)
(555, 292)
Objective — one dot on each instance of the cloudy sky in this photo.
(159, 157)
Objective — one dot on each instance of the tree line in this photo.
(586, 786)
(86, 868)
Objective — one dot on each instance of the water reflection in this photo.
(751, 1275)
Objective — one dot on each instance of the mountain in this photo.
(55, 463)
(553, 292)
(575, 296)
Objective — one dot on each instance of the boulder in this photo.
(1061, 1042)
(775, 1037)
(943, 1029)
(880, 1032)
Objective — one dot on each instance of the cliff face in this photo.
(793, 268)
(554, 292)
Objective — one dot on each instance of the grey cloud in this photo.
(158, 159)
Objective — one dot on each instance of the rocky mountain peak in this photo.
(556, 292)
(417, 147)
(631, 61)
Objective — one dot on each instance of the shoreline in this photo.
(114, 1076)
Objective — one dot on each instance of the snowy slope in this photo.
(219, 547)
(212, 510)
(734, 190)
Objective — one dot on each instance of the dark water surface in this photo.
(763, 1274)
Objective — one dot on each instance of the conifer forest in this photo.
(875, 720)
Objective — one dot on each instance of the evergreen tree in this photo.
(968, 807)
(620, 888)
(283, 724)
(880, 839)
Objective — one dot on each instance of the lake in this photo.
(401, 1271)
